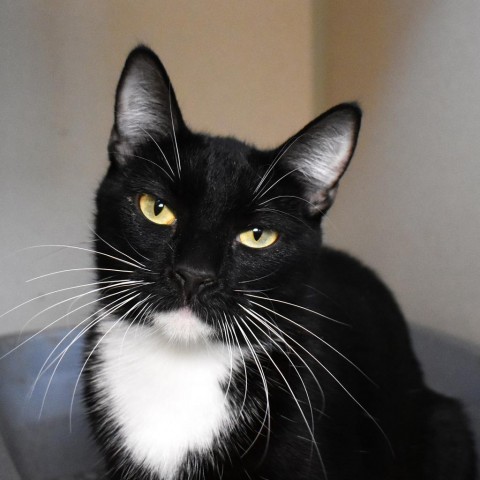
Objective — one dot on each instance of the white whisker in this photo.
(135, 318)
(261, 290)
(136, 251)
(332, 375)
(302, 308)
(51, 323)
(259, 278)
(116, 284)
(276, 210)
(140, 264)
(43, 295)
(228, 342)
(92, 352)
(276, 183)
(285, 196)
(280, 349)
(279, 156)
(318, 338)
(161, 151)
(281, 335)
(234, 335)
(91, 251)
(292, 394)
(107, 310)
(78, 270)
(64, 352)
(149, 161)
(266, 418)
(179, 165)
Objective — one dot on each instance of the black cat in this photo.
(230, 343)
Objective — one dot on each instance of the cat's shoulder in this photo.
(346, 276)
(341, 263)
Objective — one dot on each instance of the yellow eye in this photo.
(258, 238)
(155, 210)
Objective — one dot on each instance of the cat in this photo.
(231, 344)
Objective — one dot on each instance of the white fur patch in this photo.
(165, 396)
(182, 326)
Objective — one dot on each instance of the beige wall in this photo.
(243, 68)
(409, 205)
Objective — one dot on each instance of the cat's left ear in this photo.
(319, 154)
(145, 104)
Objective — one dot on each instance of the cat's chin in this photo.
(182, 326)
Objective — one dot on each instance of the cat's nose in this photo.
(193, 280)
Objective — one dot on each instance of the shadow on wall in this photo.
(57, 444)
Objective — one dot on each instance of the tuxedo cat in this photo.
(230, 343)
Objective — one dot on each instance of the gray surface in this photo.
(43, 447)
(7, 468)
(43, 444)
(452, 367)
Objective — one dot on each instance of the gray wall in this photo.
(410, 203)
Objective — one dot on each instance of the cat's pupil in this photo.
(158, 207)
(257, 233)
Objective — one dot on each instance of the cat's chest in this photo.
(167, 400)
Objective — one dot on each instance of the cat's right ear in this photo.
(146, 107)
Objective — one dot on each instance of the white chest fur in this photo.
(166, 397)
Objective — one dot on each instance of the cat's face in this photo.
(196, 222)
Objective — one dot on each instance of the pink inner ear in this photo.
(321, 199)
(321, 152)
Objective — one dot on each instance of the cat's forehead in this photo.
(219, 167)
(218, 157)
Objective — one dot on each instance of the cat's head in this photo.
(188, 224)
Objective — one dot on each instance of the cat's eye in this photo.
(156, 210)
(258, 238)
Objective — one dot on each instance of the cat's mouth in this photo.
(183, 313)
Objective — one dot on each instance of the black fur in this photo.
(375, 419)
